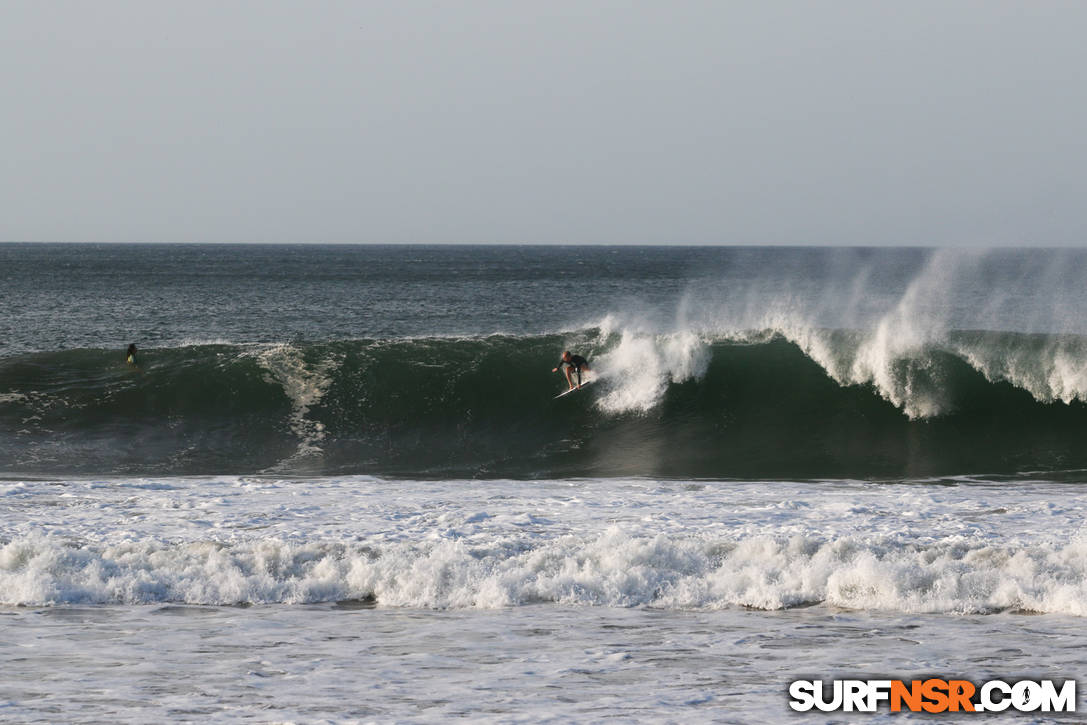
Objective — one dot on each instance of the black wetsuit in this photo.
(575, 361)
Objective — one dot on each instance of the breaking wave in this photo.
(781, 400)
(611, 568)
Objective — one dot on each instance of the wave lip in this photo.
(614, 568)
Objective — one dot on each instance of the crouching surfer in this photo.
(572, 364)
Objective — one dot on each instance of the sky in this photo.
(853, 122)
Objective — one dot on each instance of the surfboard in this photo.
(574, 389)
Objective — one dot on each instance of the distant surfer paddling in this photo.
(572, 364)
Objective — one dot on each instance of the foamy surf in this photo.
(304, 384)
(968, 548)
(611, 569)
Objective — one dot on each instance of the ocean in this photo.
(337, 485)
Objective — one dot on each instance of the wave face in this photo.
(775, 402)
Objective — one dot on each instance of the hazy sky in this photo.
(847, 122)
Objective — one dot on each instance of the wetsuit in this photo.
(575, 361)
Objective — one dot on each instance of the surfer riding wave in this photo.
(572, 364)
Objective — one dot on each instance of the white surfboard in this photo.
(574, 389)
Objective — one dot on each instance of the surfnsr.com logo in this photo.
(933, 695)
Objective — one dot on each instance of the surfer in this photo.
(130, 356)
(574, 363)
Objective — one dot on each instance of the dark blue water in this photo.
(102, 296)
(435, 361)
(61, 297)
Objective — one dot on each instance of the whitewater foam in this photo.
(639, 368)
(969, 548)
(613, 568)
(304, 383)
